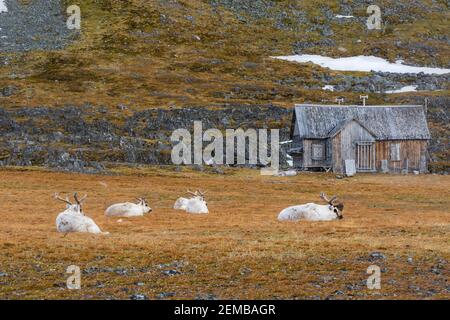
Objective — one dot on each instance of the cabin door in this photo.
(365, 156)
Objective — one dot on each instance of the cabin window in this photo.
(395, 152)
(318, 151)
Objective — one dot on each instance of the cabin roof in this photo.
(405, 122)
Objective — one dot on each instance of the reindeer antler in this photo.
(141, 199)
(79, 201)
(202, 193)
(57, 197)
(325, 198)
(195, 194)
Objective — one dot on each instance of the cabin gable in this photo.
(354, 142)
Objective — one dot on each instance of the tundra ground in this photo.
(239, 250)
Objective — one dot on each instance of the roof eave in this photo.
(376, 138)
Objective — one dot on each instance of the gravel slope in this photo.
(35, 26)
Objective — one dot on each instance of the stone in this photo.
(384, 166)
(207, 296)
(218, 170)
(376, 256)
(350, 167)
(8, 91)
(170, 272)
(138, 297)
(165, 295)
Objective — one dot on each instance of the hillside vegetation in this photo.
(178, 53)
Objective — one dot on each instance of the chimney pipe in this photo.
(363, 98)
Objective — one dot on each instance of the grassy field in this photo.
(239, 250)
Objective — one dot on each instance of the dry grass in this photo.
(239, 250)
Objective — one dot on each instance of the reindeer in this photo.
(195, 205)
(73, 218)
(128, 209)
(314, 212)
(181, 203)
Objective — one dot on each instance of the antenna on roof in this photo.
(340, 100)
(363, 98)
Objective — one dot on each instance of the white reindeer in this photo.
(288, 173)
(314, 212)
(195, 205)
(181, 203)
(73, 218)
(128, 209)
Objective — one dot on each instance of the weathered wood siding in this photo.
(297, 161)
(297, 157)
(308, 162)
(412, 150)
(344, 144)
(350, 135)
(338, 163)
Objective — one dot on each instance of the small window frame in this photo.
(317, 151)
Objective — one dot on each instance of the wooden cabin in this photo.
(369, 138)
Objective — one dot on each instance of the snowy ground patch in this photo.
(361, 63)
(328, 88)
(404, 89)
(340, 16)
(3, 7)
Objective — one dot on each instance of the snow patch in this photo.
(289, 160)
(340, 16)
(361, 63)
(328, 87)
(404, 89)
(3, 7)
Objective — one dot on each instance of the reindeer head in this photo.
(200, 196)
(336, 206)
(77, 206)
(143, 202)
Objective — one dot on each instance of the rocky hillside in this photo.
(78, 139)
(202, 55)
